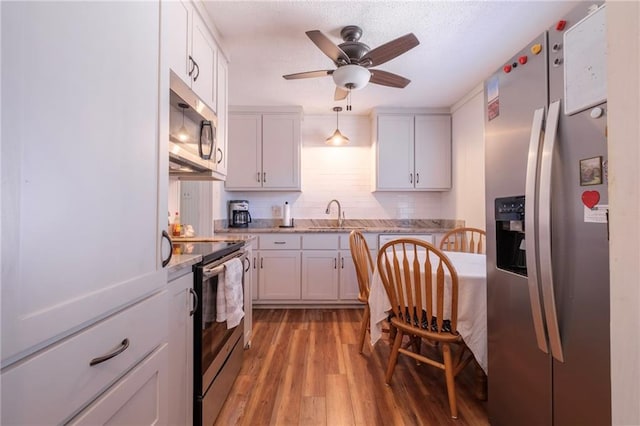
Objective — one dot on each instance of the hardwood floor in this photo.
(304, 368)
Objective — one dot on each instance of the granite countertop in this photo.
(180, 262)
(330, 225)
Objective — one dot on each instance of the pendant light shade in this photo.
(337, 138)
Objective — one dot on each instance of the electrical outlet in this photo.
(276, 211)
(186, 195)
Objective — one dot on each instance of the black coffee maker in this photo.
(239, 216)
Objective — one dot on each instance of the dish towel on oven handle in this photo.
(229, 299)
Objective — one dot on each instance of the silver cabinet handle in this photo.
(262, 263)
(254, 263)
(264, 177)
(544, 231)
(335, 263)
(221, 156)
(417, 177)
(410, 177)
(197, 71)
(279, 242)
(248, 264)
(342, 262)
(531, 232)
(117, 351)
(258, 178)
(195, 302)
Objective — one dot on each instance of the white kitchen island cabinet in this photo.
(264, 150)
(413, 152)
(84, 190)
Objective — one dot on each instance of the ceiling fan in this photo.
(353, 60)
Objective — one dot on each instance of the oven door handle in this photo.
(195, 302)
(211, 271)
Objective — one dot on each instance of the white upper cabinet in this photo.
(82, 183)
(264, 151)
(432, 152)
(413, 152)
(223, 116)
(192, 50)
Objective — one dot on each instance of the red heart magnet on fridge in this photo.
(590, 198)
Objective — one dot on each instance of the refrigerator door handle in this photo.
(544, 231)
(530, 228)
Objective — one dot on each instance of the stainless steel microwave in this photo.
(193, 144)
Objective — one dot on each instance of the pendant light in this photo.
(183, 134)
(337, 138)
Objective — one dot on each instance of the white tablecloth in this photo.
(472, 302)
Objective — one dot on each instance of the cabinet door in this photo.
(222, 112)
(320, 275)
(245, 152)
(139, 398)
(279, 275)
(254, 274)
(395, 152)
(281, 151)
(181, 303)
(204, 51)
(433, 151)
(349, 289)
(177, 17)
(248, 295)
(79, 175)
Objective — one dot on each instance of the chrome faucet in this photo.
(340, 214)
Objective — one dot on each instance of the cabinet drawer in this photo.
(371, 239)
(136, 399)
(320, 242)
(59, 381)
(279, 242)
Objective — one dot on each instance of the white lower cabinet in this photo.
(319, 274)
(52, 386)
(181, 306)
(349, 288)
(139, 398)
(279, 275)
(279, 267)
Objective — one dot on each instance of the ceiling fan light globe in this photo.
(352, 77)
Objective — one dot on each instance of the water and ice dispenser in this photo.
(510, 234)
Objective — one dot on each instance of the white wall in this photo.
(623, 71)
(343, 173)
(467, 199)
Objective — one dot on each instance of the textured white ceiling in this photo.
(461, 43)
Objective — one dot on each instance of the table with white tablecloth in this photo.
(472, 302)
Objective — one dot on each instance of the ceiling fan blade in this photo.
(308, 74)
(340, 94)
(328, 47)
(386, 78)
(390, 50)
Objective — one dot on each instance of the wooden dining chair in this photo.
(468, 240)
(424, 306)
(364, 268)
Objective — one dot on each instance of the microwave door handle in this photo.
(203, 135)
(530, 229)
(544, 229)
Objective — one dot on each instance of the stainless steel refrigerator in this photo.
(547, 228)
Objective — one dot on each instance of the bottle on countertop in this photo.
(177, 227)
